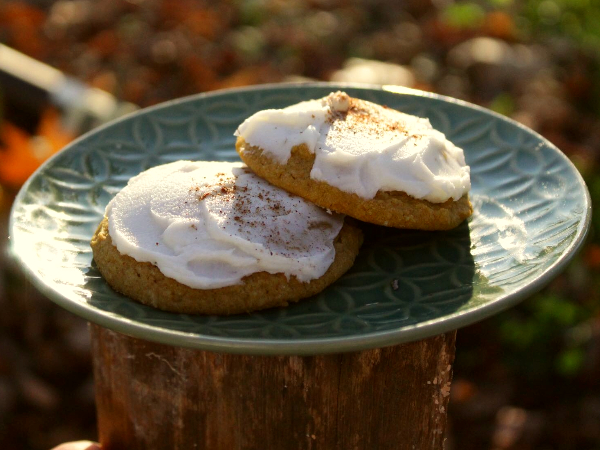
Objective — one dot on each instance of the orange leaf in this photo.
(22, 154)
(17, 161)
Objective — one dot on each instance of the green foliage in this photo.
(463, 15)
(534, 336)
(252, 12)
(575, 19)
(501, 3)
(569, 361)
(503, 103)
(578, 20)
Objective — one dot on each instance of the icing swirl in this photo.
(209, 224)
(361, 147)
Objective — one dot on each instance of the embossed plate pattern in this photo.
(532, 211)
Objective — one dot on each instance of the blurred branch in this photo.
(30, 86)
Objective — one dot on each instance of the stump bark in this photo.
(154, 396)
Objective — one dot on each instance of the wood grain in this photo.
(154, 396)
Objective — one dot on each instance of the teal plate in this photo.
(532, 211)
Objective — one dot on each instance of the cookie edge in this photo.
(145, 283)
(388, 208)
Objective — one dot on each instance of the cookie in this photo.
(213, 238)
(361, 159)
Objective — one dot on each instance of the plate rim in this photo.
(305, 346)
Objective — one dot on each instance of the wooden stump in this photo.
(152, 396)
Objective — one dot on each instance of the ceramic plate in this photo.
(532, 211)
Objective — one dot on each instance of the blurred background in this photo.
(526, 379)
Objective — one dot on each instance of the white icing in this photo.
(363, 148)
(209, 224)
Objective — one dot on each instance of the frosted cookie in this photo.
(213, 238)
(358, 158)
